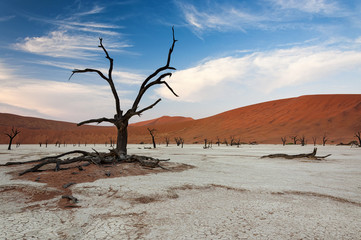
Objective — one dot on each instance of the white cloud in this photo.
(56, 100)
(221, 18)
(309, 6)
(62, 44)
(263, 72)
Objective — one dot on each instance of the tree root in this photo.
(309, 155)
(97, 158)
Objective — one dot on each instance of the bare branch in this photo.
(147, 108)
(146, 85)
(169, 88)
(99, 120)
(109, 79)
(89, 70)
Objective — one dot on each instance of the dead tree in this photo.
(121, 119)
(358, 135)
(207, 144)
(166, 141)
(11, 136)
(151, 132)
(232, 140)
(218, 141)
(284, 139)
(324, 139)
(295, 139)
(314, 139)
(225, 142)
(182, 142)
(303, 140)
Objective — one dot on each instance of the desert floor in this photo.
(231, 193)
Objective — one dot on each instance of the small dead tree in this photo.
(218, 141)
(303, 140)
(225, 142)
(284, 139)
(11, 136)
(324, 139)
(151, 132)
(232, 140)
(358, 135)
(295, 139)
(121, 119)
(166, 141)
(314, 139)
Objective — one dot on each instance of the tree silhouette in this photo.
(151, 132)
(11, 136)
(121, 119)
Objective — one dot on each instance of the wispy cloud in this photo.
(264, 72)
(94, 10)
(74, 37)
(62, 44)
(220, 17)
(309, 6)
(271, 15)
(6, 18)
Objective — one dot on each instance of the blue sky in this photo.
(229, 54)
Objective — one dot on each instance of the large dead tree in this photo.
(11, 136)
(121, 118)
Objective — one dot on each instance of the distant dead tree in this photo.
(324, 139)
(314, 139)
(151, 132)
(11, 136)
(284, 139)
(166, 141)
(207, 144)
(218, 141)
(121, 119)
(232, 140)
(111, 142)
(225, 142)
(179, 141)
(295, 139)
(358, 135)
(40, 144)
(237, 142)
(303, 140)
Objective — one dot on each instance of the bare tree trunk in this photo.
(10, 142)
(151, 132)
(122, 139)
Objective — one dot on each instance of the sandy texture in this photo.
(230, 194)
(337, 115)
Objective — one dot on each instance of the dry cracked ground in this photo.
(229, 193)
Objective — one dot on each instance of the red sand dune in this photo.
(339, 116)
(161, 120)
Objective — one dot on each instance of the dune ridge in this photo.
(337, 116)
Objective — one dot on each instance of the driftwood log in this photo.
(86, 158)
(307, 155)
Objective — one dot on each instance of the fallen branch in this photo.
(95, 157)
(307, 155)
